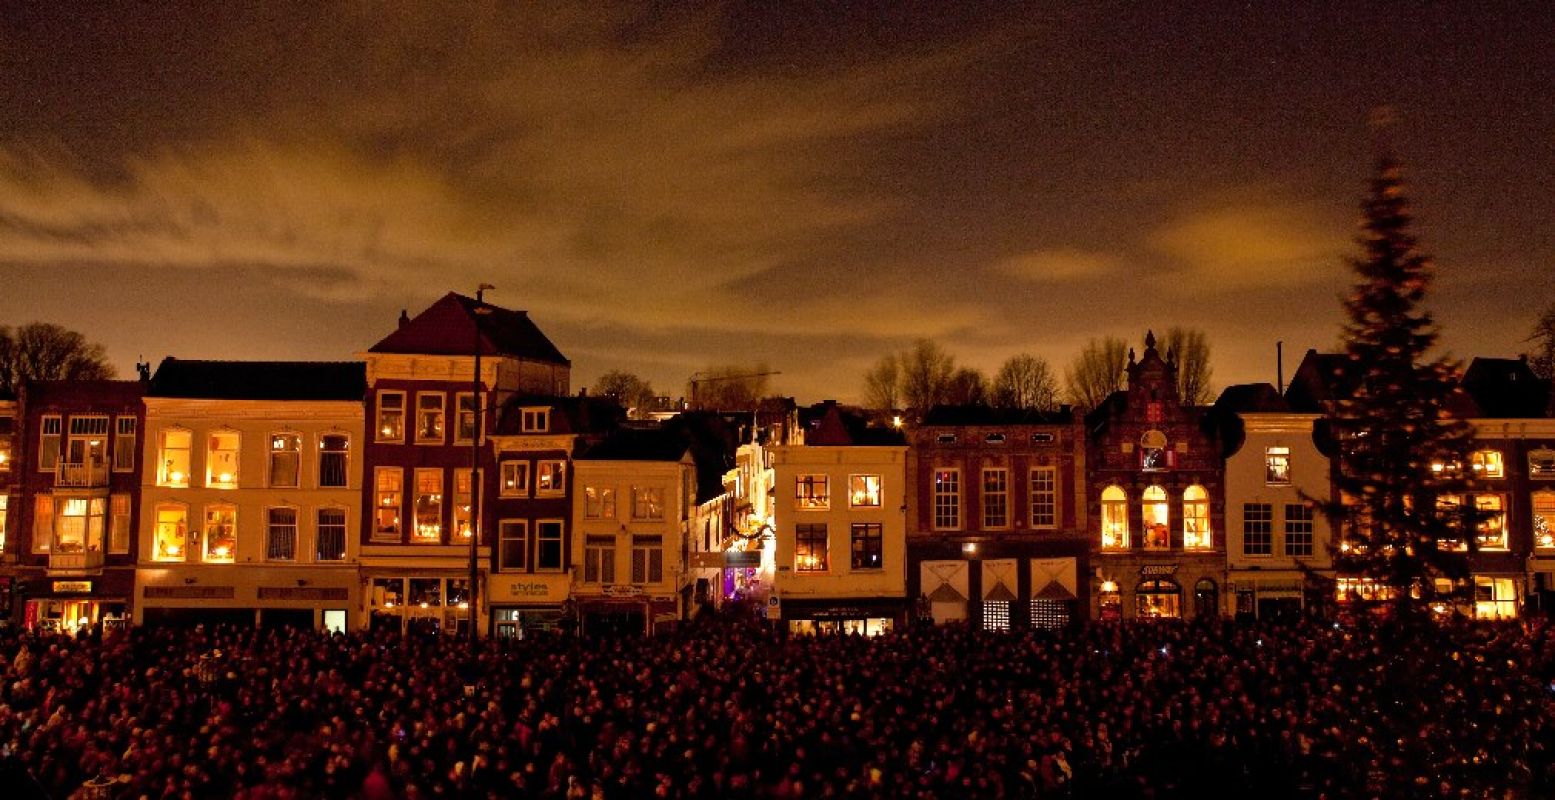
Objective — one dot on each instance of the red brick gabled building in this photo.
(420, 504)
(1156, 498)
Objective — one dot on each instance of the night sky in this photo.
(810, 185)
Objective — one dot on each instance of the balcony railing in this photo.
(76, 561)
(81, 476)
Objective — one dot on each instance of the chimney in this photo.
(404, 318)
(1279, 367)
(144, 369)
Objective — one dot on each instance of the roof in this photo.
(1251, 398)
(447, 327)
(986, 415)
(1316, 382)
(572, 413)
(1505, 388)
(260, 380)
(829, 425)
(631, 444)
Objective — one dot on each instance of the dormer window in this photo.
(535, 420)
(994, 438)
(947, 438)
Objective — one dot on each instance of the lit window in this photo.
(5, 504)
(1257, 529)
(285, 460)
(1156, 515)
(391, 416)
(599, 559)
(464, 504)
(7, 430)
(221, 460)
(331, 543)
(512, 544)
(173, 464)
(429, 418)
(996, 498)
(88, 443)
(868, 546)
(534, 420)
(1276, 466)
(647, 559)
(334, 458)
(388, 502)
(221, 534)
(599, 503)
(515, 478)
(1044, 497)
(1195, 519)
(1491, 524)
(124, 445)
(647, 502)
(1298, 529)
(1450, 508)
(996, 615)
(42, 522)
(464, 419)
(1541, 463)
(548, 545)
(812, 492)
(1152, 451)
(281, 535)
(1114, 519)
(429, 505)
(550, 477)
(864, 491)
(1544, 519)
(810, 547)
(171, 537)
(1487, 463)
(79, 528)
(947, 499)
(1495, 598)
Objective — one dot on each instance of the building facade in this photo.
(253, 487)
(996, 516)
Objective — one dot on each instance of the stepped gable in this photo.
(259, 380)
(447, 327)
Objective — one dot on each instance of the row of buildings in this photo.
(367, 494)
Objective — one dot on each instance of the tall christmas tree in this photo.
(1402, 463)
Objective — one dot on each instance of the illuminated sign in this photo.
(72, 587)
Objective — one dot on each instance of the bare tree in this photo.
(1096, 372)
(1542, 360)
(1026, 381)
(881, 384)
(926, 371)
(633, 393)
(1190, 348)
(968, 387)
(44, 351)
(730, 387)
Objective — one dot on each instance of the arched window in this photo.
(1114, 519)
(1156, 513)
(1195, 519)
(1159, 599)
(1206, 598)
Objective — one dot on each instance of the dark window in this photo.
(867, 546)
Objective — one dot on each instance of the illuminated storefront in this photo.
(419, 604)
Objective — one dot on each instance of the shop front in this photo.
(1188, 589)
(624, 612)
(271, 597)
(864, 617)
(523, 604)
(419, 602)
(67, 605)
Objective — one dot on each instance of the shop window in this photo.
(864, 491)
(996, 498)
(391, 416)
(599, 502)
(173, 458)
(1491, 521)
(464, 504)
(514, 478)
(281, 535)
(1298, 529)
(810, 547)
(550, 477)
(1158, 599)
(464, 418)
(599, 559)
(170, 540)
(1114, 519)
(647, 559)
(1257, 529)
(1495, 598)
(42, 523)
(1544, 519)
(1487, 464)
(51, 432)
(947, 499)
(1156, 513)
(221, 460)
(812, 492)
(868, 546)
(1276, 466)
(425, 592)
(647, 502)
(429, 417)
(124, 444)
(334, 460)
(285, 460)
(331, 539)
(388, 502)
(512, 545)
(1044, 497)
(221, 534)
(1195, 519)
(429, 505)
(548, 545)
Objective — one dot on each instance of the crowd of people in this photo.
(727, 708)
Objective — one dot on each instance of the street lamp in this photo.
(472, 593)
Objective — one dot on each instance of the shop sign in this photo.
(1158, 569)
(748, 558)
(72, 587)
(528, 589)
(618, 590)
(705, 560)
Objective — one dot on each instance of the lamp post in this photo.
(472, 593)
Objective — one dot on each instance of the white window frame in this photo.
(398, 534)
(206, 553)
(345, 458)
(125, 438)
(1276, 466)
(417, 535)
(1266, 534)
(164, 464)
(806, 498)
(1043, 498)
(468, 496)
(534, 420)
(58, 435)
(599, 550)
(648, 553)
(442, 416)
(156, 523)
(515, 484)
(996, 502)
(1492, 467)
(378, 407)
(504, 527)
(459, 412)
(945, 506)
(561, 544)
(318, 533)
(866, 486)
(1114, 512)
(1196, 509)
(211, 476)
(271, 452)
(270, 529)
(1303, 524)
(560, 487)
